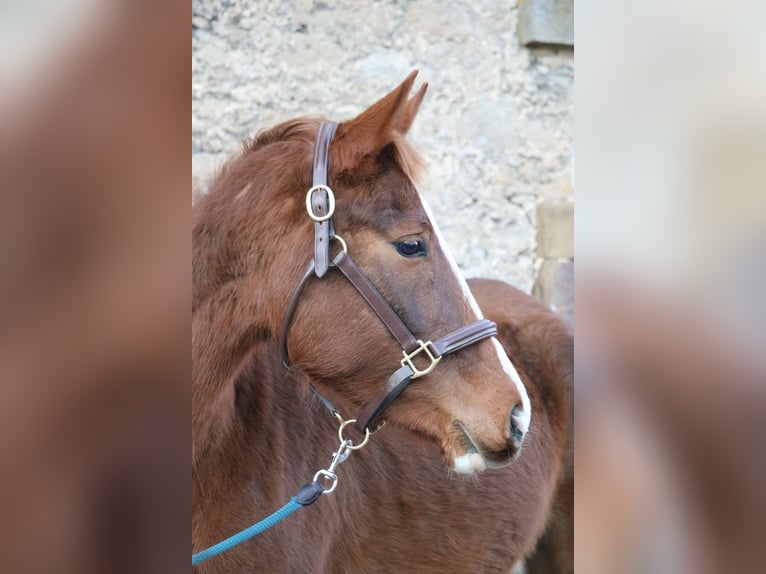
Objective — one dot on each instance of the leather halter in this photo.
(320, 203)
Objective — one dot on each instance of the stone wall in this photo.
(495, 128)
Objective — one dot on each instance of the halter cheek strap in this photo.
(376, 302)
(320, 204)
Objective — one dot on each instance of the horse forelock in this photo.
(408, 159)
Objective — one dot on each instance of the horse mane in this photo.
(298, 129)
(303, 129)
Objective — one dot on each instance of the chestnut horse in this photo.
(402, 503)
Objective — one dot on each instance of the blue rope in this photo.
(247, 533)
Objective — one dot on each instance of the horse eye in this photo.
(411, 248)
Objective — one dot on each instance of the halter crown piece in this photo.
(320, 204)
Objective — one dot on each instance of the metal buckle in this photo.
(407, 360)
(330, 203)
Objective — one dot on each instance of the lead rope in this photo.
(306, 496)
(248, 533)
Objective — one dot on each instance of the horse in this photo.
(464, 465)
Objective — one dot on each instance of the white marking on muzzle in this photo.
(469, 463)
(524, 419)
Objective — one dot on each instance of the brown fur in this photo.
(543, 352)
(258, 435)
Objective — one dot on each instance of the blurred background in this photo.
(671, 287)
(670, 241)
(495, 127)
(94, 286)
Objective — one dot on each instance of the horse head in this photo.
(473, 403)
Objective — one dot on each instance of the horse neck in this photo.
(230, 325)
(277, 401)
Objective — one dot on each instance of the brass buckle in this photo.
(407, 360)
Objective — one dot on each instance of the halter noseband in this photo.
(320, 204)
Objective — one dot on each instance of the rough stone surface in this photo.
(544, 22)
(495, 128)
(555, 287)
(555, 230)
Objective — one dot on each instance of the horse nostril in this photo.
(519, 424)
(516, 433)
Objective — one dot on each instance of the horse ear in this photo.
(412, 110)
(377, 126)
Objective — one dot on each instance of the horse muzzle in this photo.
(479, 457)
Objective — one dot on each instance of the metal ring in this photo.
(353, 447)
(342, 243)
(331, 476)
(330, 200)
